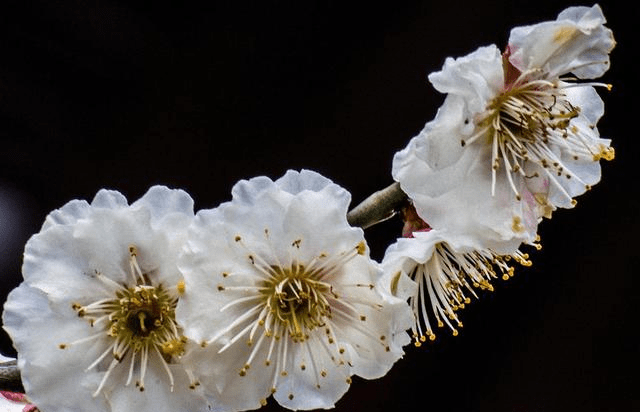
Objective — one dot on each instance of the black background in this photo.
(125, 95)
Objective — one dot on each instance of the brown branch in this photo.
(378, 207)
(10, 377)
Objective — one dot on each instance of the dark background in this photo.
(125, 95)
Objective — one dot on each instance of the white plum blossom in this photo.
(447, 273)
(283, 297)
(93, 321)
(516, 136)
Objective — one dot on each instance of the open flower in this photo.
(447, 272)
(283, 297)
(516, 136)
(94, 320)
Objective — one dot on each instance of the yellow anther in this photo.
(174, 347)
(181, 287)
(516, 224)
(608, 153)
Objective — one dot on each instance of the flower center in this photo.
(137, 321)
(291, 307)
(528, 113)
(142, 316)
(522, 122)
(529, 122)
(297, 299)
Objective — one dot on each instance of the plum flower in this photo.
(516, 136)
(283, 297)
(448, 273)
(94, 319)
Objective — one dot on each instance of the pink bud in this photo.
(412, 222)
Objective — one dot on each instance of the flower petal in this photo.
(577, 42)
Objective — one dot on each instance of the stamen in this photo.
(526, 121)
(254, 351)
(314, 366)
(236, 337)
(131, 366)
(445, 277)
(193, 382)
(89, 338)
(247, 315)
(101, 357)
(166, 367)
(136, 272)
(112, 365)
(272, 344)
(110, 283)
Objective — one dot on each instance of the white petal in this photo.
(299, 389)
(295, 182)
(588, 100)
(163, 203)
(577, 42)
(28, 318)
(477, 77)
(109, 199)
(157, 395)
(67, 215)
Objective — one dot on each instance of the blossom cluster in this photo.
(153, 306)
(514, 140)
